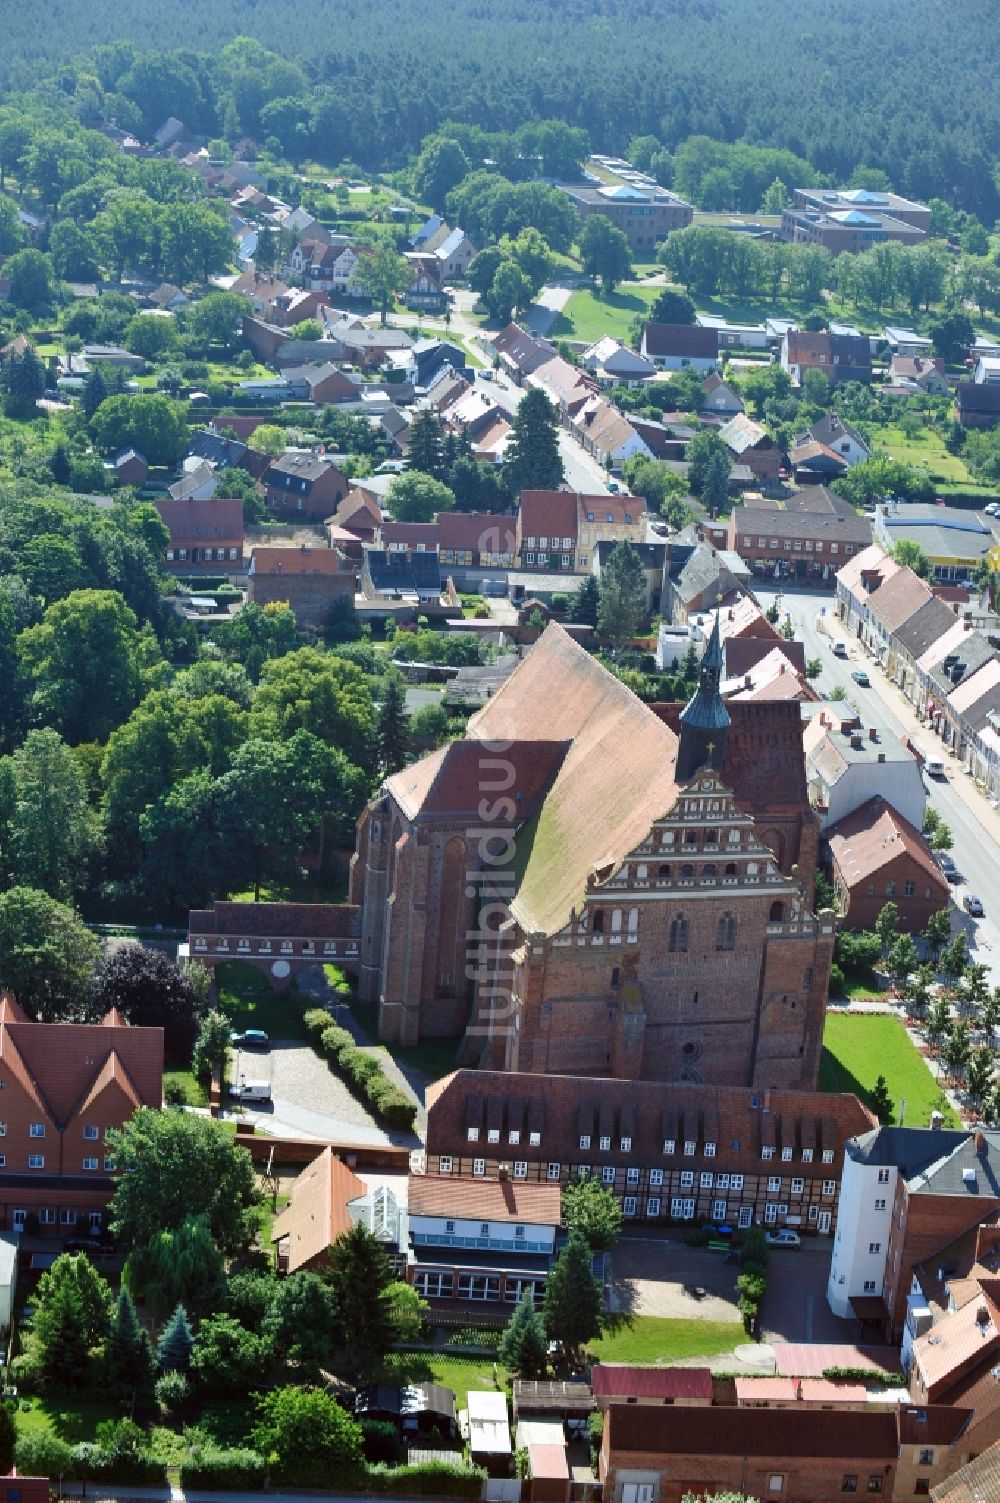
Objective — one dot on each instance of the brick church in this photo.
(588, 885)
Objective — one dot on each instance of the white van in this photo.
(933, 765)
(251, 1090)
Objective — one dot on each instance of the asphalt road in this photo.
(976, 853)
(583, 473)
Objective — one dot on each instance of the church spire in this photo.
(705, 719)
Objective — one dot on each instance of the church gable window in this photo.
(678, 934)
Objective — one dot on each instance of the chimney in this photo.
(767, 1099)
(857, 743)
(980, 1142)
(872, 734)
(936, 1121)
(881, 757)
(982, 1318)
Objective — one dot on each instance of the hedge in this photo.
(362, 1072)
(239, 1469)
(434, 1479)
(43, 1454)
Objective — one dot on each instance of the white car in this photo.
(784, 1238)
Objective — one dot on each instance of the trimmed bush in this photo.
(317, 1021)
(381, 1441)
(428, 1479)
(239, 1469)
(42, 1454)
(363, 1073)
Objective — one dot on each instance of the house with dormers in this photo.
(63, 1088)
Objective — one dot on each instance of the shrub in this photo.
(42, 1454)
(172, 1390)
(317, 1021)
(364, 1074)
(240, 1469)
(837, 981)
(433, 1479)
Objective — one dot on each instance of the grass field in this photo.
(925, 451)
(457, 1373)
(589, 317)
(248, 1001)
(71, 1418)
(653, 1339)
(857, 1049)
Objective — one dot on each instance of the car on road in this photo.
(839, 649)
(973, 905)
(784, 1238)
(250, 1038)
(948, 867)
(860, 677)
(486, 375)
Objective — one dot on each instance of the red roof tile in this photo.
(609, 1380)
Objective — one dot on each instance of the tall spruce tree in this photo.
(128, 1359)
(622, 599)
(361, 1275)
(425, 450)
(23, 382)
(523, 1348)
(572, 1308)
(532, 461)
(393, 726)
(584, 601)
(176, 1343)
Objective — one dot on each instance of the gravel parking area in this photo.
(308, 1099)
(670, 1279)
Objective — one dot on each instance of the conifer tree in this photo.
(393, 726)
(583, 602)
(523, 1348)
(176, 1343)
(128, 1357)
(622, 594)
(532, 460)
(572, 1308)
(425, 450)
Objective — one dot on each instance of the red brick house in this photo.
(660, 1455)
(204, 534)
(809, 537)
(878, 857)
(64, 1086)
(359, 513)
(310, 580)
(304, 487)
(547, 528)
(750, 443)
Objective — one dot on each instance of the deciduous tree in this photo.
(47, 956)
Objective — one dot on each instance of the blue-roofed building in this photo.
(851, 219)
(645, 213)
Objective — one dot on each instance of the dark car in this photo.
(948, 868)
(251, 1038)
(860, 677)
(973, 905)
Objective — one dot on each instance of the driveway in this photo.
(307, 1099)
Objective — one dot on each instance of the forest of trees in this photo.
(829, 82)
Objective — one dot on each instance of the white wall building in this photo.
(864, 1220)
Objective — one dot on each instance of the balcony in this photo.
(479, 1244)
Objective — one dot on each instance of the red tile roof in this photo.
(478, 531)
(866, 840)
(317, 1213)
(484, 1200)
(296, 561)
(62, 1066)
(451, 780)
(609, 1380)
(194, 523)
(548, 514)
(811, 1359)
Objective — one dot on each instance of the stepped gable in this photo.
(615, 779)
(458, 777)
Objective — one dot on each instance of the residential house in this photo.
(695, 580)
(327, 265)
(807, 537)
(128, 467)
(846, 766)
(567, 387)
(365, 347)
(612, 519)
(607, 434)
(547, 532)
(937, 671)
(877, 857)
(168, 298)
(662, 1455)
(675, 347)
(890, 607)
(310, 580)
(987, 370)
(487, 1241)
(966, 709)
(644, 212)
(519, 353)
(430, 234)
(734, 336)
(65, 1087)
(720, 399)
(358, 513)
(750, 443)
(111, 354)
(424, 294)
(838, 435)
(19, 345)
(976, 1482)
(205, 533)
(920, 373)
(453, 256)
(325, 1201)
(840, 357)
(743, 653)
(772, 678)
(223, 453)
(170, 132)
(476, 540)
(325, 382)
(955, 541)
(857, 581)
(670, 1152)
(977, 404)
(304, 486)
(913, 638)
(613, 364)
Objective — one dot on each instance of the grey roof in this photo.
(911, 1150)
(800, 522)
(216, 449)
(831, 427)
(651, 555)
(706, 710)
(971, 654)
(303, 464)
(929, 622)
(700, 571)
(965, 1170)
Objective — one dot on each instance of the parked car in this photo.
(948, 867)
(785, 1238)
(973, 905)
(840, 649)
(860, 677)
(251, 1038)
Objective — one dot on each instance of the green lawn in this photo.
(653, 1339)
(857, 1049)
(925, 451)
(71, 1418)
(435, 1057)
(195, 1093)
(589, 317)
(248, 1001)
(457, 1373)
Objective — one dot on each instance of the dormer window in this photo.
(472, 1135)
(493, 1135)
(585, 1140)
(514, 1136)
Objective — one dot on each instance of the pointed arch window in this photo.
(678, 941)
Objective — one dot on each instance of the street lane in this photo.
(976, 852)
(583, 473)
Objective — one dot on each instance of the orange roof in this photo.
(113, 1072)
(484, 1199)
(296, 561)
(61, 1066)
(956, 1341)
(317, 1214)
(798, 1390)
